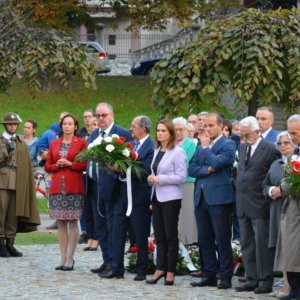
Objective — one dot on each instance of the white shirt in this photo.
(254, 146)
(264, 135)
(141, 141)
(8, 136)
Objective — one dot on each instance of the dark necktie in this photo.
(248, 155)
(136, 146)
(296, 151)
(102, 133)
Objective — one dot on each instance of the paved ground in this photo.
(33, 277)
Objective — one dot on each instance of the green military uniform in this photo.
(18, 206)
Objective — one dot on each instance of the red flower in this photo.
(133, 249)
(151, 248)
(296, 166)
(119, 141)
(134, 155)
(122, 138)
(129, 145)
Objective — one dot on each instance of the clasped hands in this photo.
(153, 179)
(276, 193)
(62, 162)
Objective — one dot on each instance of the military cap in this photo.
(11, 118)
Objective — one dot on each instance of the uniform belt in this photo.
(14, 167)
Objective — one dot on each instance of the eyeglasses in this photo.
(283, 143)
(245, 136)
(180, 129)
(87, 117)
(102, 116)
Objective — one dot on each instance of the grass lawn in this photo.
(36, 237)
(42, 203)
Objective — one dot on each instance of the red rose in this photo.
(151, 248)
(134, 155)
(129, 145)
(122, 138)
(133, 249)
(296, 166)
(119, 141)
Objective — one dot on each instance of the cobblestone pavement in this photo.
(33, 277)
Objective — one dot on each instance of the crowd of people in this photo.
(188, 192)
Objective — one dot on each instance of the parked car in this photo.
(143, 67)
(97, 56)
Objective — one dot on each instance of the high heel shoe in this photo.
(89, 245)
(66, 268)
(93, 247)
(155, 280)
(59, 268)
(169, 282)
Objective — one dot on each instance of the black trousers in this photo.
(165, 224)
(294, 281)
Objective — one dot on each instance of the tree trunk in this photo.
(252, 106)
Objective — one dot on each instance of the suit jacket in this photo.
(107, 179)
(271, 136)
(72, 175)
(217, 187)
(172, 173)
(250, 200)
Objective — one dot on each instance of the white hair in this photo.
(294, 118)
(180, 121)
(282, 134)
(250, 122)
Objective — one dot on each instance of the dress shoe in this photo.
(263, 290)
(59, 268)
(100, 269)
(287, 297)
(169, 282)
(242, 279)
(83, 238)
(245, 288)
(11, 249)
(66, 268)
(224, 284)
(111, 274)
(94, 246)
(197, 274)
(205, 282)
(139, 277)
(155, 280)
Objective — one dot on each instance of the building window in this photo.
(111, 40)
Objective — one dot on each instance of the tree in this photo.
(44, 55)
(154, 15)
(255, 54)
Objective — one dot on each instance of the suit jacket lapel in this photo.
(260, 147)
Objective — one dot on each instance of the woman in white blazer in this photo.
(169, 172)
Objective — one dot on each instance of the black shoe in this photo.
(3, 249)
(83, 238)
(245, 288)
(111, 274)
(224, 284)
(242, 279)
(139, 277)
(100, 269)
(263, 290)
(287, 297)
(197, 274)
(155, 280)
(66, 268)
(169, 282)
(59, 268)
(205, 282)
(11, 249)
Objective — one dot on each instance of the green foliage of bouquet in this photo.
(112, 153)
(292, 177)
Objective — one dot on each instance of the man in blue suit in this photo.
(140, 215)
(213, 198)
(265, 119)
(102, 188)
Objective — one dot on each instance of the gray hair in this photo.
(180, 121)
(267, 108)
(203, 113)
(145, 122)
(250, 122)
(294, 118)
(110, 108)
(90, 111)
(282, 134)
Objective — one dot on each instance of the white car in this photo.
(97, 56)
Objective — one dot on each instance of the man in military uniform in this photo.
(18, 206)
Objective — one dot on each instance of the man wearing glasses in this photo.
(102, 188)
(256, 156)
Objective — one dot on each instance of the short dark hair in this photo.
(76, 123)
(33, 123)
(228, 124)
(171, 128)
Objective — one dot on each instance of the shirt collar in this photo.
(108, 129)
(264, 135)
(143, 140)
(8, 136)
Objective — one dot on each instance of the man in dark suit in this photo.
(214, 195)
(140, 215)
(102, 188)
(255, 158)
(265, 119)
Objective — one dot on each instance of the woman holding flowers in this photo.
(66, 190)
(168, 174)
